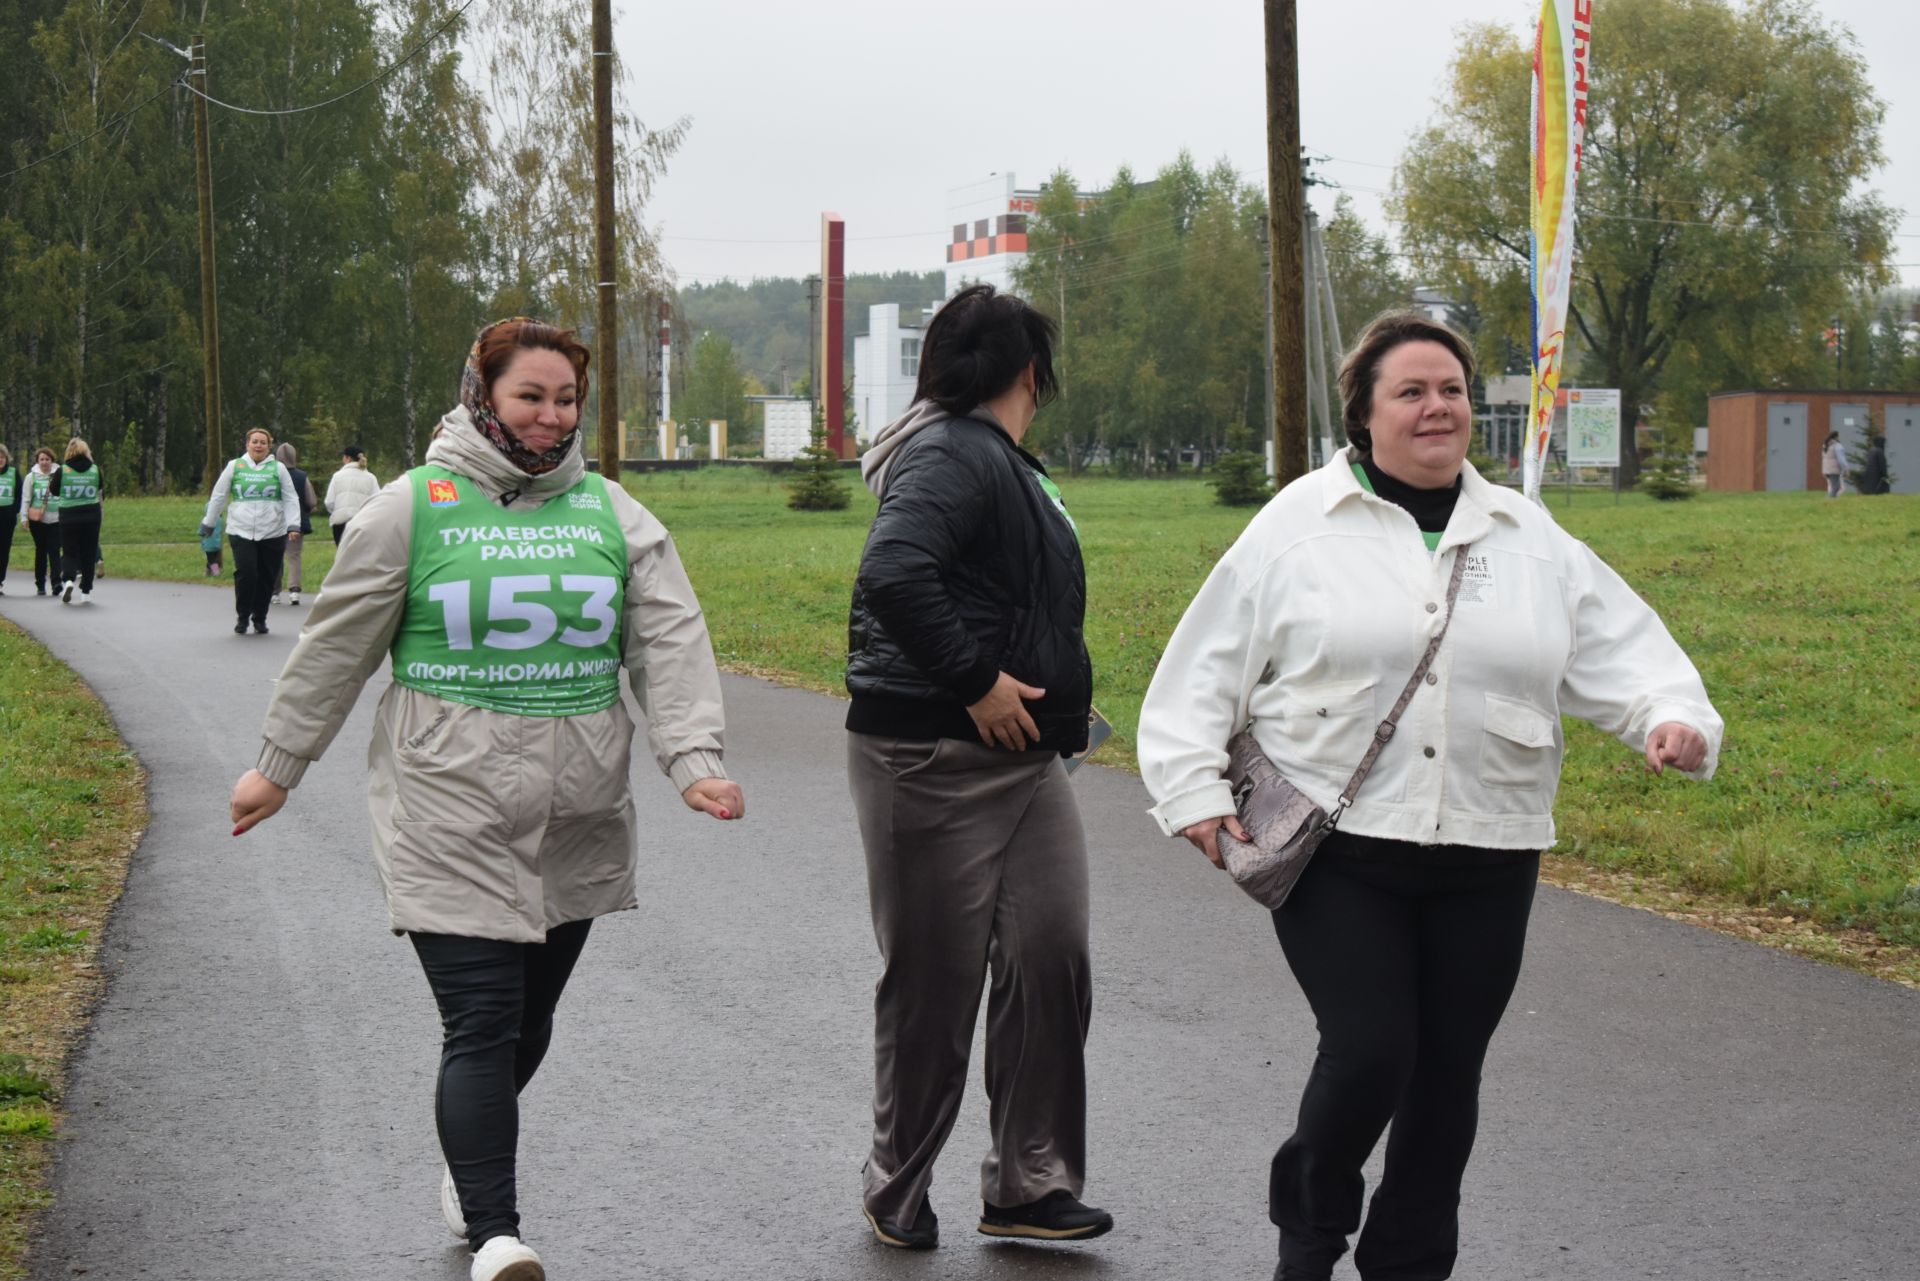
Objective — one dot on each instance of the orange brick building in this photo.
(1770, 440)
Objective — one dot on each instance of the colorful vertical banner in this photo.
(1561, 56)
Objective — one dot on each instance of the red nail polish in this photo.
(238, 830)
(726, 813)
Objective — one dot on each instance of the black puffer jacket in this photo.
(970, 569)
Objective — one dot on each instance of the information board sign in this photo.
(1593, 427)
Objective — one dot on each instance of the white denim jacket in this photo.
(1314, 619)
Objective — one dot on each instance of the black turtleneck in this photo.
(1431, 509)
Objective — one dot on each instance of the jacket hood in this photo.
(286, 453)
(920, 415)
(79, 462)
(460, 447)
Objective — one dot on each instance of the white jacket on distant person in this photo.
(257, 521)
(1314, 619)
(349, 491)
(1833, 460)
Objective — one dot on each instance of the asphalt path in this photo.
(253, 1101)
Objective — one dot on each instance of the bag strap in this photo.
(1384, 732)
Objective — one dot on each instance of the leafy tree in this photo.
(715, 387)
(1720, 214)
(1363, 268)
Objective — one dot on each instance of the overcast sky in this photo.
(874, 108)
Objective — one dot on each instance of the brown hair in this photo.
(1361, 367)
(500, 343)
(44, 450)
(251, 432)
(76, 447)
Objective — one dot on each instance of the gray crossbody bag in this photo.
(1284, 824)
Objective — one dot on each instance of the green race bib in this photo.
(255, 484)
(9, 485)
(516, 612)
(79, 488)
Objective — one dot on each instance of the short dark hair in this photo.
(977, 345)
(350, 451)
(1361, 368)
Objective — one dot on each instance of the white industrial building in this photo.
(886, 365)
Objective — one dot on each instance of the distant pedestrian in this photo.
(499, 785)
(1833, 463)
(349, 490)
(970, 680)
(1406, 930)
(1873, 476)
(77, 492)
(303, 490)
(42, 517)
(210, 545)
(11, 500)
(265, 517)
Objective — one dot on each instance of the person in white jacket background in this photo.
(1406, 930)
(264, 515)
(349, 490)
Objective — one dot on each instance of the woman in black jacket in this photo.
(77, 492)
(970, 681)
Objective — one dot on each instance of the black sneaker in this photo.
(240, 628)
(1057, 1216)
(923, 1235)
(260, 626)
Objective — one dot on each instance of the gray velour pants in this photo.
(976, 864)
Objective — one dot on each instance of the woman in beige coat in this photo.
(510, 587)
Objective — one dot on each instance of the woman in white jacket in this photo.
(349, 490)
(264, 515)
(1406, 930)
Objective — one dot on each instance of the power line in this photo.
(52, 155)
(404, 59)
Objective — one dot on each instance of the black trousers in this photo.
(7, 527)
(79, 549)
(339, 531)
(496, 1013)
(1408, 966)
(46, 552)
(256, 566)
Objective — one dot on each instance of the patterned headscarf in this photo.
(473, 394)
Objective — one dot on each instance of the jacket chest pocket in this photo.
(1518, 750)
(1331, 724)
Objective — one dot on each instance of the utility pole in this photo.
(813, 363)
(209, 297)
(1284, 236)
(606, 259)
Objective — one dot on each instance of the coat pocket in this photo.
(1518, 750)
(1331, 724)
(593, 765)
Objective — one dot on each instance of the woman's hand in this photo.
(719, 797)
(1672, 743)
(1205, 835)
(1001, 717)
(255, 799)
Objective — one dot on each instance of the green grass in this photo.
(1801, 614)
(72, 802)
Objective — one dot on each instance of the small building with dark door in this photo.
(1770, 440)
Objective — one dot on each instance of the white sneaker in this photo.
(450, 1204)
(276, 598)
(507, 1259)
(294, 599)
(66, 593)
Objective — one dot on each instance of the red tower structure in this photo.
(831, 377)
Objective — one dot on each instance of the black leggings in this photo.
(7, 527)
(496, 1012)
(256, 564)
(79, 549)
(46, 552)
(1408, 966)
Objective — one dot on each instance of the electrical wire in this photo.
(403, 60)
(52, 155)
